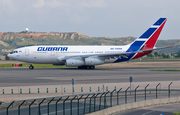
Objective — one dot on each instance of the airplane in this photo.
(87, 57)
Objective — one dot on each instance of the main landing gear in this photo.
(31, 66)
(86, 67)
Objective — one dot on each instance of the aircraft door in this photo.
(52, 53)
(26, 52)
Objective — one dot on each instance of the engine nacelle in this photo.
(74, 62)
(93, 61)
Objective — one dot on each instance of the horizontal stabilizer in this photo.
(156, 48)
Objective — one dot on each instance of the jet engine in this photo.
(93, 61)
(74, 62)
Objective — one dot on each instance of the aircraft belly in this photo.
(109, 60)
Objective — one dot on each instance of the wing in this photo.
(110, 55)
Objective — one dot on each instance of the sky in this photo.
(94, 18)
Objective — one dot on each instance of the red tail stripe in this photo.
(152, 40)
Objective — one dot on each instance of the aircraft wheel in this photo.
(79, 67)
(31, 67)
(93, 67)
(85, 67)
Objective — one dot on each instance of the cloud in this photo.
(52, 3)
(79, 19)
(55, 3)
(94, 3)
(39, 4)
(7, 5)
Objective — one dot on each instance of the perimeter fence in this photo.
(84, 103)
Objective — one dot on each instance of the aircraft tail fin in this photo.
(152, 34)
(148, 39)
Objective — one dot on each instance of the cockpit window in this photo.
(13, 52)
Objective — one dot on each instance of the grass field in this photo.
(134, 63)
(168, 70)
(35, 65)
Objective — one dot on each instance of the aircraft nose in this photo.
(8, 55)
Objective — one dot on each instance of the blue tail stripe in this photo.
(135, 46)
(159, 22)
(148, 33)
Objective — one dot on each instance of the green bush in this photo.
(176, 113)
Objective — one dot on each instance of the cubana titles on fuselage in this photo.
(85, 57)
(52, 49)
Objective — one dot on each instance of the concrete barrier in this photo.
(174, 99)
(141, 104)
(155, 101)
(135, 105)
(148, 103)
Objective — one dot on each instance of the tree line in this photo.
(163, 55)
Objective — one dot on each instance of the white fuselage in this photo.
(52, 54)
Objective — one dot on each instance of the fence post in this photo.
(11, 91)
(156, 89)
(81, 89)
(40, 106)
(73, 89)
(90, 103)
(71, 102)
(89, 89)
(111, 96)
(126, 94)
(56, 90)
(78, 104)
(57, 103)
(169, 89)
(118, 96)
(30, 106)
(135, 93)
(85, 103)
(105, 99)
(29, 90)
(8, 107)
(114, 88)
(106, 88)
(20, 91)
(100, 100)
(95, 102)
(145, 90)
(20, 106)
(49, 103)
(64, 105)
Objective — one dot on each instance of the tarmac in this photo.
(104, 76)
(154, 110)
